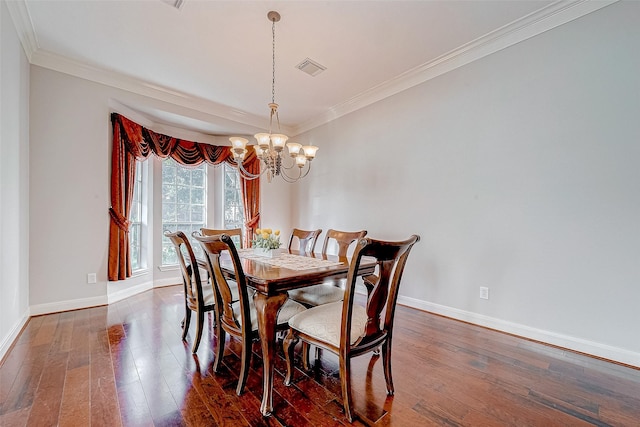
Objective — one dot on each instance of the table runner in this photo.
(290, 261)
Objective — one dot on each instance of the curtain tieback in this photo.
(252, 222)
(119, 220)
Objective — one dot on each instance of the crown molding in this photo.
(110, 78)
(24, 27)
(552, 16)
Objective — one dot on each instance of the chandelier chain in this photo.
(273, 61)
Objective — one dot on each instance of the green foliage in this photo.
(266, 239)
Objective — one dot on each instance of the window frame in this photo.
(141, 188)
(166, 246)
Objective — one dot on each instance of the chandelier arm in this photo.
(291, 179)
(288, 167)
(308, 170)
(246, 174)
(287, 178)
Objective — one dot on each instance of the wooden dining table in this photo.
(271, 284)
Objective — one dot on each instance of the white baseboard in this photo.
(76, 304)
(128, 292)
(565, 341)
(13, 334)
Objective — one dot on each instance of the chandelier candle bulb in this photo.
(278, 140)
(294, 149)
(238, 142)
(310, 151)
(263, 140)
(239, 156)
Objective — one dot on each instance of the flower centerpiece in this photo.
(266, 242)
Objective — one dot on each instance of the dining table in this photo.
(271, 278)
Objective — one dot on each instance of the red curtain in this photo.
(132, 142)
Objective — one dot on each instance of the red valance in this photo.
(132, 142)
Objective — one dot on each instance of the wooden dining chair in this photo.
(198, 293)
(350, 329)
(233, 232)
(306, 239)
(236, 317)
(332, 291)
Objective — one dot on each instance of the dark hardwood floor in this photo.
(125, 365)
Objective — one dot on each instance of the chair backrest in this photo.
(343, 239)
(213, 246)
(231, 232)
(188, 267)
(391, 258)
(307, 239)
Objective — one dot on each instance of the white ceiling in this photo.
(215, 56)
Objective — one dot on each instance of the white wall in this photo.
(14, 183)
(520, 172)
(70, 185)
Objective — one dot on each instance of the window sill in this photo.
(169, 267)
(138, 273)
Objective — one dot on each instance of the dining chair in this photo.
(198, 293)
(306, 239)
(231, 232)
(333, 291)
(236, 317)
(350, 329)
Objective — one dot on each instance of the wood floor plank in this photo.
(45, 409)
(125, 364)
(75, 407)
(25, 385)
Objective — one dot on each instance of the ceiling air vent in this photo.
(310, 67)
(175, 3)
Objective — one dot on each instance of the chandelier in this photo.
(270, 146)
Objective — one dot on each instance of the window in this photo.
(233, 208)
(184, 204)
(135, 218)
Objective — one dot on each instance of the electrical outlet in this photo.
(484, 292)
(91, 278)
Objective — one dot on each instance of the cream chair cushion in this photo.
(288, 310)
(209, 297)
(207, 293)
(324, 322)
(317, 294)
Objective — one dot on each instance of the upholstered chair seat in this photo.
(324, 323)
(288, 310)
(317, 295)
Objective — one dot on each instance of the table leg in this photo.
(267, 307)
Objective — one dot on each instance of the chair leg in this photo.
(289, 344)
(244, 362)
(221, 337)
(386, 363)
(305, 356)
(186, 322)
(199, 325)
(345, 380)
